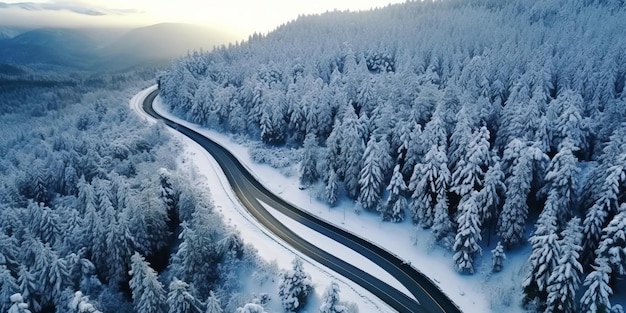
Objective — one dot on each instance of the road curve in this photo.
(250, 191)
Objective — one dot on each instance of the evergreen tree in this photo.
(295, 286)
(471, 168)
(599, 213)
(180, 299)
(8, 287)
(544, 257)
(565, 280)
(613, 242)
(497, 258)
(147, 291)
(393, 209)
(490, 197)
(332, 188)
(561, 178)
(596, 297)
(429, 179)
(467, 236)
(352, 149)
(372, 174)
(331, 301)
(567, 122)
(442, 225)
(308, 167)
(511, 224)
(213, 304)
(28, 286)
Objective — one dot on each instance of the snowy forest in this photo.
(491, 123)
(97, 215)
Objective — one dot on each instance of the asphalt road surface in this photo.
(250, 191)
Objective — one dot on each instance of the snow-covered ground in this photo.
(482, 292)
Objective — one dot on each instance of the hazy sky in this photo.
(237, 16)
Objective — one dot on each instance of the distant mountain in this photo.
(64, 47)
(105, 49)
(163, 42)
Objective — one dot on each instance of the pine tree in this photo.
(565, 280)
(429, 179)
(308, 167)
(295, 286)
(562, 179)
(8, 287)
(497, 258)
(213, 304)
(331, 301)
(598, 214)
(393, 209)
(371, 176)
(148, 293)
(490, 197)
(596, 297)
(511, 224)
(180, 299)
(442, 225)
(332, 188)
(470, 170)
(613, 242)
(352, 149)
(467, 236)
(544, 256)
(28, 286)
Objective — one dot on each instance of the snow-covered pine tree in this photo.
(429, 179)
(147, 291)
(460, 137)
(596, 297)
(352, 150)
(567, 122)
(331, 300)
(497, 258)
(442, 226)
(472, 166)
(565, 280)
(308, 167)
(371, 178)
(545, 254)
(393, 208)
(213, 304)
(332, 187)
(8, 287)
(468, 235)
(29, 288)
(598, 214)
(490, 197)
(561, 178)
(295, 286)
(613, 242)
(512, 220)
(180, 299)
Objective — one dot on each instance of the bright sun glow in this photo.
(241, 17)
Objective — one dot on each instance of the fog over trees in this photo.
(504, 120)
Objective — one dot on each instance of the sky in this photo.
(241, 17)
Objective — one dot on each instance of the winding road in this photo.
(250, 192)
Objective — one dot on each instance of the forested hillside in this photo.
(481, 120)
(95, 213)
